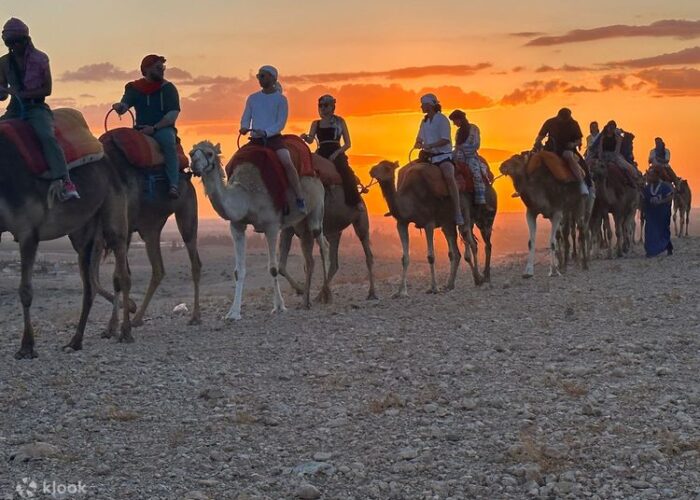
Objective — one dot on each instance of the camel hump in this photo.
(74, 137)
(425, 174)
(326, 170)
(141, 150)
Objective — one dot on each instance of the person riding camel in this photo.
(609, 148)
(157, 105)
(467, 143)
(265, 116)
(435, 143)
(563, 138)
(591, 141)
(660, 157)
(329, 130)
(26, 76)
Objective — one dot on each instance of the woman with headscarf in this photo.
(329, 130)
(609, 146)
(467, 143)
(435, 143)
(660, 157)
(265, 116)
(657, 212)
(25, 71)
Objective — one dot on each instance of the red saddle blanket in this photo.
(465, 178)
(271, 169)
(77, 142)
(431, 176)
(555, 164)
(140, 150)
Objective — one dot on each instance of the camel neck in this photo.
(389, 192)
(216, 191)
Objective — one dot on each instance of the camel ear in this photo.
(217, 147)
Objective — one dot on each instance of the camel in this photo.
(682, 198)
(147, 216)
(338, 215)
(100, 212)
(544, 195)
(245, 201)
(413, 202)
(618, 198)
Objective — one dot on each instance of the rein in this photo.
(133, 120)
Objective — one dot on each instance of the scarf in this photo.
(147, 87)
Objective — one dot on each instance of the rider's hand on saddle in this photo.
(418, 144)
(120, 108)
(244, 131)
(148, 130)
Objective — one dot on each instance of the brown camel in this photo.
(100, 212)
(337, 216)
(149, 209)
(414, 202)
(682, 198)
(616, 196)
(543, 194)
(246, 201)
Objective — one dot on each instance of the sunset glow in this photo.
(510, 65)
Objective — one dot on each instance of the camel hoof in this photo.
(132, 306)
(278, 310)
(137, 322)
(126, 338)
(527, 276)
(73, 346)
(372, 296)
(26, 353)
(232, 317)
(447, 288)
(400, 294)
(299, 291)
(432, 291)
(195, 321)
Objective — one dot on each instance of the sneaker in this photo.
(173, 193)
(301, 205)
(69, 191)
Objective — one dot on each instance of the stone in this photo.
(307, 491)
(35, 451)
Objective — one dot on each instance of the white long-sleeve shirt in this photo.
(267, 112)
(654, 160)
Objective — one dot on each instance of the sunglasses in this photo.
(325, 105)
(260, 76)
(14, 41)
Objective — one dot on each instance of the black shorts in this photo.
(274, 142)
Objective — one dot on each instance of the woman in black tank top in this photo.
(609, 151)
(329, 131)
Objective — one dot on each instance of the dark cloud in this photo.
(672, 82)
(392, 74)
(534, 91)
(566, 68)
(577, 89)
(527, 34)
(609, 82)
(518, 69)
(97, 73)
(675, 28)
(685, 56)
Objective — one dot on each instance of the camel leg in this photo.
(486, 230)
(617, 217)
(84, 244)
(361, 227)
(151, 238)
(687, 219)
(471, 253)
(608, 232)
(334, 244)
(430, 242)
(187, 224)
(326, 296)
(238, 234)
(553, 264)
(402, 228)
(277, 300)
(286, 237)
(27, 250)
(307, 248)
(450, 233)
(97, 254)
(583, 242)
(531, 218)
(675, 225)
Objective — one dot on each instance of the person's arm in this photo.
(43, 91)
(474, 139)
(346, 141)
(126, 102)
(280, 117)
(667, 155)
(309, 138)
(618, 142)
(172, 105)
(3, 86)
(246, 118)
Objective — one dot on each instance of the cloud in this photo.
(61, 102)
(686, 56)
(566, 68)
(392, 74)
(534, 91)
(518, 69)
(676, 28)
(86, 96)
(527, 34)
(577, 89)
(97, 73)
(609, 82)
(672, 82)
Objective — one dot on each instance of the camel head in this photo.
(205, 157)
(515, 165)
(598, 170)
(384, 171)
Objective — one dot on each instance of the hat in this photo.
(149, 61)
(429, 99)
(269, 69)
(14, 28)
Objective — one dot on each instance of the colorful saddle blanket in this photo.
(140, 150)
(271, 169)
(72, 132)
(465, 177)
(431, 176)
(554, 163)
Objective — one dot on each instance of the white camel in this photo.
(245, 200)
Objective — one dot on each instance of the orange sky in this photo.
(509, 64)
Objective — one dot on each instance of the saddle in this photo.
(271, 168)
(431, 176)
(72, 132)
(465, 177)
(556, 166)
(141, 150)
(621, 176)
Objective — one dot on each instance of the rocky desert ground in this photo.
(580, 386)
